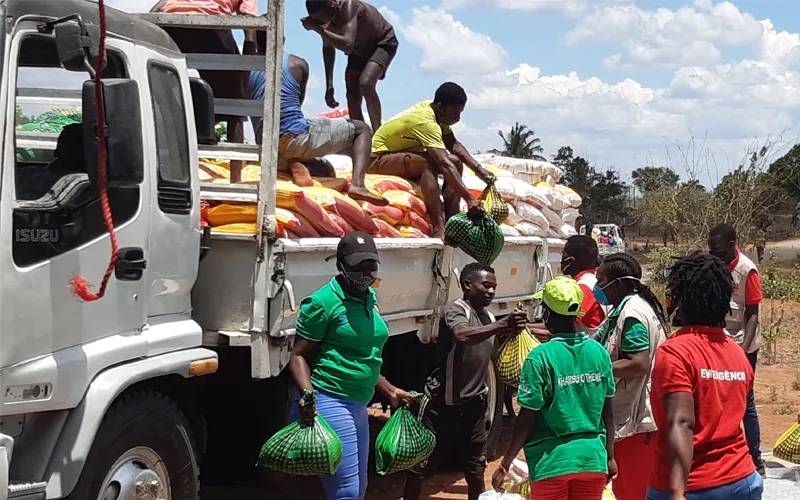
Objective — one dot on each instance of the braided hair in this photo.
(620, 265)
(701, 286)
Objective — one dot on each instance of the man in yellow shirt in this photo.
(419, 145)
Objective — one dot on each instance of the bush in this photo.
(661, 259)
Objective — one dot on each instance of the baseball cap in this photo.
(355, 248)
(563, 296)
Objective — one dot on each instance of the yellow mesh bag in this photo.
(512, 355)
(788, 446)
(494, 204)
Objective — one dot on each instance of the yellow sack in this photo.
(608, 494)
(224, 214)
(512, 355)
(788, 446)
(494, 204)
(235, 229)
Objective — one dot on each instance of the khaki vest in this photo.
(734, 321)
(632, 412)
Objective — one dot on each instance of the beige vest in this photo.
(632, 412)
(734, 321)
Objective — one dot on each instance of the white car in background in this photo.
(613, 233)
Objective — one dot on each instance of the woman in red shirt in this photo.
(701, 451)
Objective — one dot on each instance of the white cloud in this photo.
(448, 47)
(624, 122)
(667, 38)
(132, 5)
(571, 8)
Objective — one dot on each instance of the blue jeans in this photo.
(749, 488)
(351, 423)
(752, 430)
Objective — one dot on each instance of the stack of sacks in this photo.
(406, 216)
(531, 171)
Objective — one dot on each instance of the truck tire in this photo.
(495, 399)
(143, 449)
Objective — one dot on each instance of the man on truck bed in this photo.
(225, 84)
(419, 145)
(304, 138)
(359, 30)
(454, 406)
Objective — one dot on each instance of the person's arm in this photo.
(312, 324)
(634, 365)
(523, 428)
(472, 335)
(679, 408)
(396, 396)
(753, 297)
(539, 331)
(250, 46)
(635, 347)
(608, 420)
(450, 173)
(304, 72)
(454, 146)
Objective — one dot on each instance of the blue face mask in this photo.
(600, 295)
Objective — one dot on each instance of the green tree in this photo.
(605, 194)
(521, 142)
(649, 179)
(786, 171)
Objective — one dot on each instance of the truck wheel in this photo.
(142, 451)
(495, 399)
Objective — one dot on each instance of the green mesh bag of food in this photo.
(494, 204)
(402, 443)
(303, 448)
(480, 238)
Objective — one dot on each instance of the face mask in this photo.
(565, 263)
(359, 280)
(723, 256)
(600, 294)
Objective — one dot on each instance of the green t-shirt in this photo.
(635, 337)
(351, 336)
(566, 380)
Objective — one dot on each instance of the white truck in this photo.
(610, 231)
(183, 357)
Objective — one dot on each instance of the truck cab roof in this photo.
(118, 23)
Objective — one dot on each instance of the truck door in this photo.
(51, 225)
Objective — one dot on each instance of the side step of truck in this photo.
(20, 490)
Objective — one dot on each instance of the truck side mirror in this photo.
(74, 45)
(203, 103)
(124, 141)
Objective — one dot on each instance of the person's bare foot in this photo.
(301, 176)
(364, 194)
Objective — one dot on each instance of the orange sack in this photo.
(340, 185)
(411, 232)
(348, 209)
(225, 213)
(419, 223)
(386, 231)
(406, 202)
(342, 223)
(293, 198)
(382, 183)
(388, 214)
(295, 223)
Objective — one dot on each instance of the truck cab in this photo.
(609, 238)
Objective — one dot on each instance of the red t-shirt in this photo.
(708, 364)
(752, 288)
(594, 315)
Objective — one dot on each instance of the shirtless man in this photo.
(304, 138)
(419, 145)
(359, 30)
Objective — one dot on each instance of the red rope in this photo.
(79, 285)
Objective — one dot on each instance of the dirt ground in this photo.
(777, 398)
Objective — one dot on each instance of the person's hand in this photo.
(399, 398)
(515, 321)
(475, 209)
(307, 413)
(310, 24)
(613, 471)
(485, 175)
(539, 331)
(330, 100)
(498, 478)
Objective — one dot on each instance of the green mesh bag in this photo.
(303, 448)
(402, 443)
(494, 204)
(481, 238)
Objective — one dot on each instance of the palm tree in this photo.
(521, 142)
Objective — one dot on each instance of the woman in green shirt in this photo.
(631, 334)
(566, 423)
(337, 354)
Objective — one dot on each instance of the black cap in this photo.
(355, 248)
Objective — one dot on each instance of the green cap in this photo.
(563, 296)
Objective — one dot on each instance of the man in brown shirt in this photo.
(359, 30)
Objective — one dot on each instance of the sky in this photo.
(626, 84)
